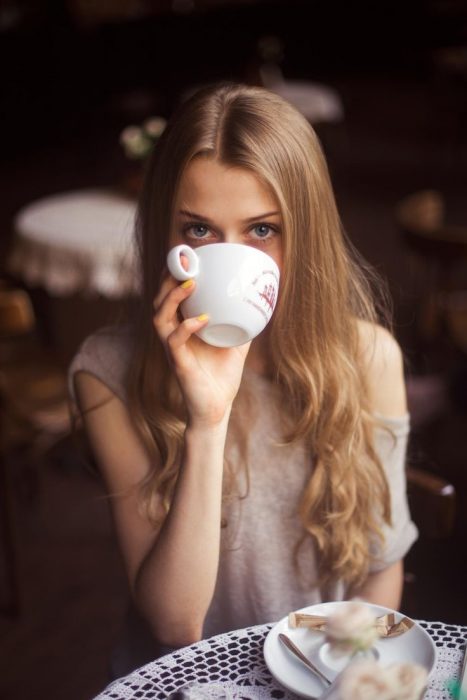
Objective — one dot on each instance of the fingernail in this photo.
(202, 317)
(187, 284)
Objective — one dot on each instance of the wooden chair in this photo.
(33, 416)
(432, 503)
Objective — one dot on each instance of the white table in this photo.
(232, 666)
(76, 242)
(319, 103)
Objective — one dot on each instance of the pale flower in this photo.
(130, 134)
(135, 143)
(154, 126)
(368, 680)
(351, 628)
(411, 680)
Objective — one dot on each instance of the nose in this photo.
(228, 236)
(231, 235)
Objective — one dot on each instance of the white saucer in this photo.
(414, 646)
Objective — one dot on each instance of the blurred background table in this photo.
(76, 242)
(75, 253)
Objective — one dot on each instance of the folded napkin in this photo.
(386, 625)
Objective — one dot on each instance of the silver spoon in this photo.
(286, 641)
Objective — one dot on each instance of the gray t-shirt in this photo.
(257, 578)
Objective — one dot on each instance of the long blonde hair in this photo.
(314, 334)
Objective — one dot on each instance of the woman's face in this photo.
(223, 204)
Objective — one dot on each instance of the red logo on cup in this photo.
(268, 295)
(265, 287)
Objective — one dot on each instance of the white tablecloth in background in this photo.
(319, 103)
(77, 242)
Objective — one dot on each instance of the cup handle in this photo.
(175, 264)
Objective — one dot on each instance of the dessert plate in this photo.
(414, 646)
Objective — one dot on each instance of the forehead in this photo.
(208, 183)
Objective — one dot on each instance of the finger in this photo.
(178, 339)
(166, 317)
(244, 349)
(169, 283)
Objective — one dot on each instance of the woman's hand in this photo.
(209, 377)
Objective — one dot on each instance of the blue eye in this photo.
(199, 231)
(196, 231)
(263, 230)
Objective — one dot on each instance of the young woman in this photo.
(247, 482)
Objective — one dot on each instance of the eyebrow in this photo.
(199, 217)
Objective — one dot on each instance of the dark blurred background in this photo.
(74, 74)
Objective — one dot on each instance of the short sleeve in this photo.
(391, 439)
(105, 355)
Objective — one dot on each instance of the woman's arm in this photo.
(172, 573)
(385, 377)
(383, 587)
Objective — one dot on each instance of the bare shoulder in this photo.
(383, 365)
(117, 448)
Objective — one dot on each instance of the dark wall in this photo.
(61, 77)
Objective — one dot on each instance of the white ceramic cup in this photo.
(236, 285)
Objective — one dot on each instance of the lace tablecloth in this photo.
(76, 242)
(232, 666)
